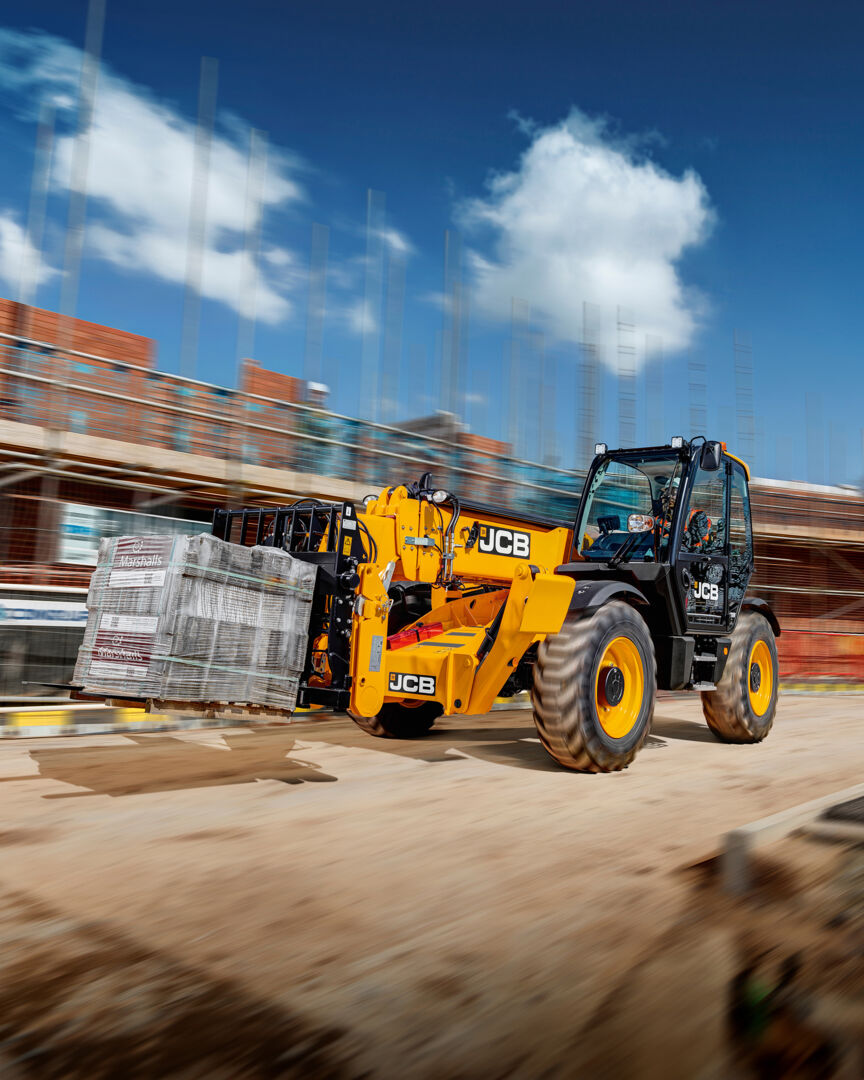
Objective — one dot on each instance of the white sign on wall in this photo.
(26, 612)
(82, 527)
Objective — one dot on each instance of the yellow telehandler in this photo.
(428, 604)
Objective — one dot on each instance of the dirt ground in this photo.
(309, 901)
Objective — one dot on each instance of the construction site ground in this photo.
(306, 900)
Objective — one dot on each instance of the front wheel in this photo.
(398, 720)
(742, 708)
(594, 687)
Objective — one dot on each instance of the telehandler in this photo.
(429, 604)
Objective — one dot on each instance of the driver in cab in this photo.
(697, 531)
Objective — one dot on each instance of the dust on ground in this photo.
(307, 900)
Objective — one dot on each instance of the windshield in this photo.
(632, 494)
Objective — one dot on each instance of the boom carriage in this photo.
(419, 598)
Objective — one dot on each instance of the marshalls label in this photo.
(136, 579)
(144, 624)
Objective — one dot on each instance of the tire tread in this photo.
(396, 721)
(563, 689)
(727, 709)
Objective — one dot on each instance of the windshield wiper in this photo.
(626, 550)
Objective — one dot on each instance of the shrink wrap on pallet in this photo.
(196, 619)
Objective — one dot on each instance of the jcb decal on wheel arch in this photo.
(497, 541)
(405, 683)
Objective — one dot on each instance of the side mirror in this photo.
(637, 523)
(610, 523)
(711, 457)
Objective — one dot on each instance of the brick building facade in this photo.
(62, 381)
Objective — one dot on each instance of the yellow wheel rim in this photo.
(617, 716)
(760, 677)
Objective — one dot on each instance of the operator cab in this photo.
(676, 520)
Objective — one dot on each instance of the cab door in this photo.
(740, 539)
(703, 555)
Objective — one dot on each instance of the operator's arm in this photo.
(697, 531)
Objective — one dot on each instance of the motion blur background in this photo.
(314, 251)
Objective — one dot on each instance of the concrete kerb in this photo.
(840, 689)
(90, 719)
(42, 731)
(49, 721)
(790, 689)
(93, 719)
(740, 843)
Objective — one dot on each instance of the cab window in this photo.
(740, 538)
(704, 526)
(625, 497)
(618, 491)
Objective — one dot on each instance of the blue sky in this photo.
(697, 165)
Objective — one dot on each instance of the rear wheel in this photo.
(594, 687)
(399, 720)
(742, 708)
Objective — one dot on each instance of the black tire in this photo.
(729, 710)
(398, 721)
(566, 688)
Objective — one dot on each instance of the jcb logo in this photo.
(403, 683)
(495, 541)
(704, 590)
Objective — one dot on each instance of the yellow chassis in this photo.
(466, 671)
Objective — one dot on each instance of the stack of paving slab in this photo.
(195, 619)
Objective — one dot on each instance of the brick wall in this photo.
(481, 445)
(196, 418)
(481, 456)
(93, 414)
(258, 380)
(270, 443)
(39, 325)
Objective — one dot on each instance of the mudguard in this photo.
(753, 603)
(589, 596)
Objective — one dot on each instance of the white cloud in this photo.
(363, 314)
(19, 260)
(360, 317)
(396, 242)
(140, 178)
(436, 298)
(226, 274)
(586, 216)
